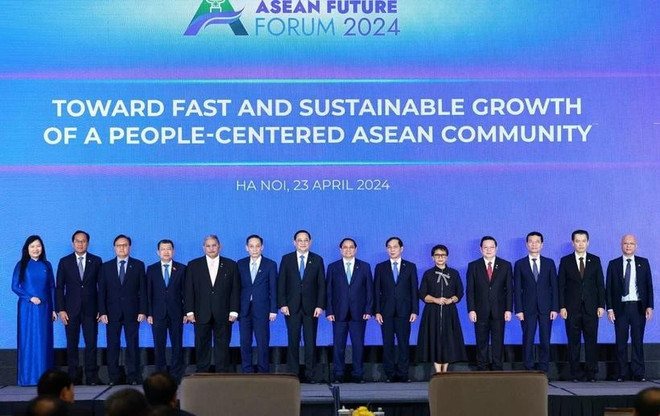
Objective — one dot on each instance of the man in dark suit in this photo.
(258, 304)
(301, 299)
(76, 300)
(123, 303)
(396, 307)
(489, 302)
(581, 303)
(212, 304)
(629, 295)
(350, 304)
(165, 307)
(535, 288)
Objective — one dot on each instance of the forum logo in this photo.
(216, 12)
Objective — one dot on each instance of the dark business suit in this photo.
(122, 303)
(165, 306)
(79, 299)
(301, 297)
(629, 316)
(348, 303)
(258, 301)
(395, 302)
(581, 296)
(211, 305)
(489, 299)
(536, 299)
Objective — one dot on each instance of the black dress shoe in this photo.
(575, 380)
(406, 380)
(338, 380)
(358, 380)
(388, 380)
(619, 379)
(134, 383)
(640, 379)
(592, 380)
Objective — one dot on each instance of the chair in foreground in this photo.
(240, 394)
(517, 393)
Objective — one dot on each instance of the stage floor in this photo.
(563, 397)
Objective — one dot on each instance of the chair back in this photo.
(517, 393)
(240, 394)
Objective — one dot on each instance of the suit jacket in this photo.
(128, 299)
(496, 296)
(358, 297)
(164, 301)
(573, 289)
(306, 294)
(71, 292)
(208, 301)
(396, 299)
(264, 289)
(534, 296)
(614, 290)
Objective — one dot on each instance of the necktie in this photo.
(122, 271)
(395, 272)
(253, 270)
(489, 270)
(626, 279)
(81, 270)
(302, 266)
(535, 270)
(166, 274)
(581, 267)
(348, 272)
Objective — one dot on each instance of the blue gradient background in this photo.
(440, 193)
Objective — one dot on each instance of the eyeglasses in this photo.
(439, 255)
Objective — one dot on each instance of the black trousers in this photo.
(399, 327)
(309, 326)
(581, 323)
(219, 330)
(529, 325)
(90, 333)
(132, 357)
(632, 321)
(489, 329)
(160, 328)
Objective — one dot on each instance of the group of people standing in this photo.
(212, 292)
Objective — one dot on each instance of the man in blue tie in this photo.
(258, 304)
(123, 304)
(396, 307)
(76, 301)
(535, 292)
(629, 296)
(165, 307)
(350, 304)
(301, 299)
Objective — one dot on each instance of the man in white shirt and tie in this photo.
(629, 296)
(258, 304)
(301, 299)
(350, 302)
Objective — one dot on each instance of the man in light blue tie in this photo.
(301, 299)
(165, 308)
(536, 302)
(350, 302)
(258, 304)
(396, 305)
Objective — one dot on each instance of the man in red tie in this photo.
(489, 301)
